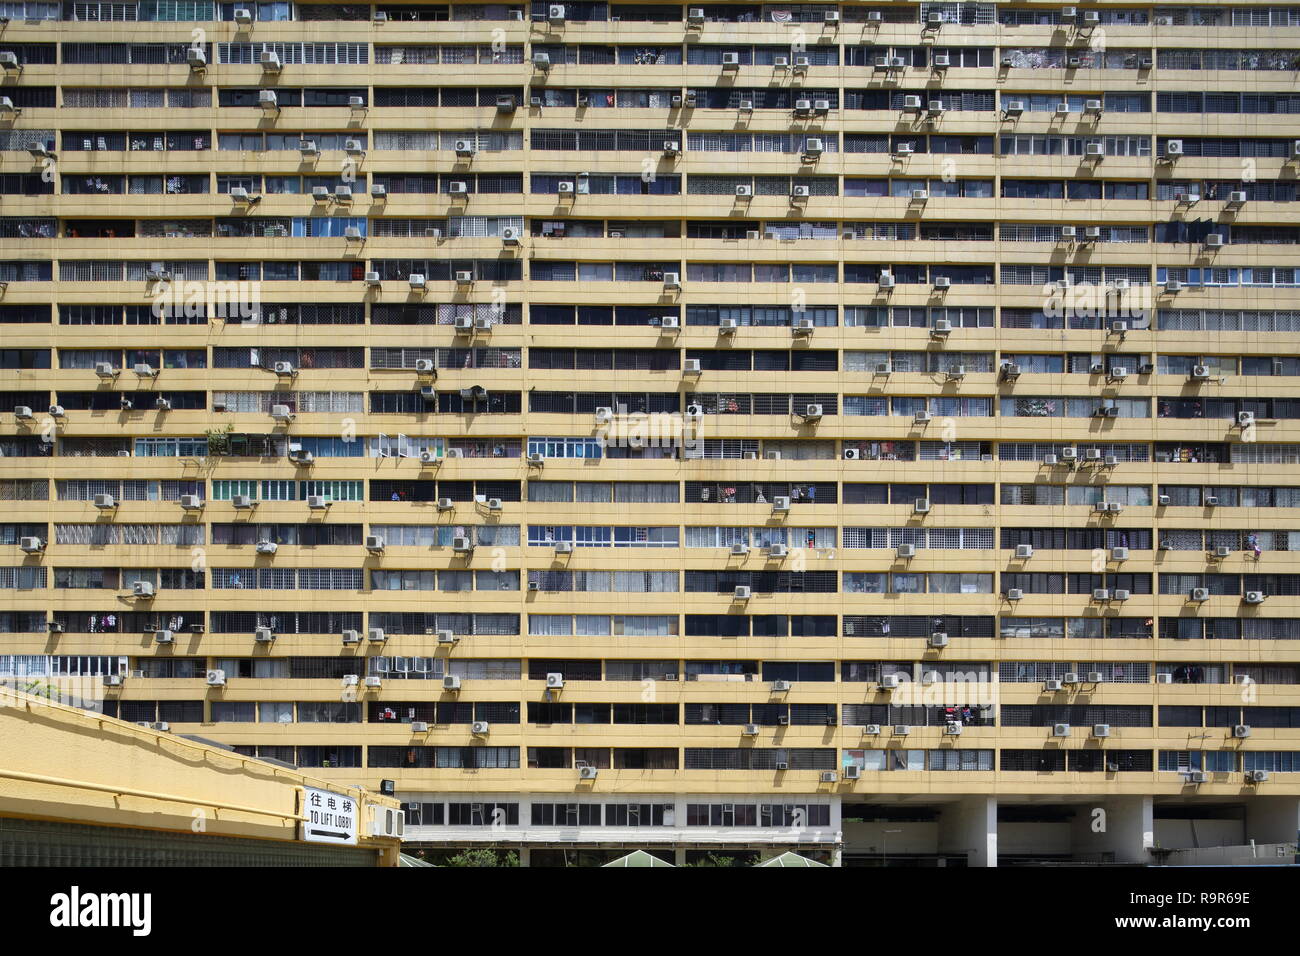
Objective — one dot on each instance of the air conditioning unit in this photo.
(447, 636)
(142, 589)
(921, 506)
(821, 106)
(744, 190)
(938, 639)
(416, 280)
(1214, 240)
(270, 61)
(419, 726)
(672, 280)
(813, 147)
(741, 593)
(555, 13)
(316, 502)
(750, 730)
(587, 773)
(901, 730)
(464, 277)
(886, 281)
(374, 682)
(1050, 459)
(875, 16)
(480, 728)
(372, 279)
(1015, 594)
(1094, 149)
(1101, 594)
(267, 100)
(1241, 731)
(1119, 554)
(281, 413)
(1024, 551)
(1254, 597)
(451, 682)
(461, 544)
(1091, 17)
(941, 326)
(31, 545)
(1060, 730)
(431, 458)
(906, 551)
(263, 635)
(935, 106)
(112, 680)
(921, 195)
(912, 103)
(104, 502)
(554, 681)
(780, 503)
(1062, 109)
(1015, 107)
(695, 15)
(921, 418)
(799, 192)
(242, 501)
(351, 680)
(351, 636)
(1199, 594)
(730, 60)
(777, 551)
(374, 543)
(1200, 372)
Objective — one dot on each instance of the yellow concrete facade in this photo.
(1133, 29)
(63, 765)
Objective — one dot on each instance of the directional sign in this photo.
(331, 817)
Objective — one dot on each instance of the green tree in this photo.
(713, 859)
(483, 857)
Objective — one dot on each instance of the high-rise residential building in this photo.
(868, 429)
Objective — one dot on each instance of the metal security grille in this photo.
(40, 843)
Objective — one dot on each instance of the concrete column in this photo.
(1123, 826)
(1273, 819)
(525, 856)
(679, 856)
(970, 826)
